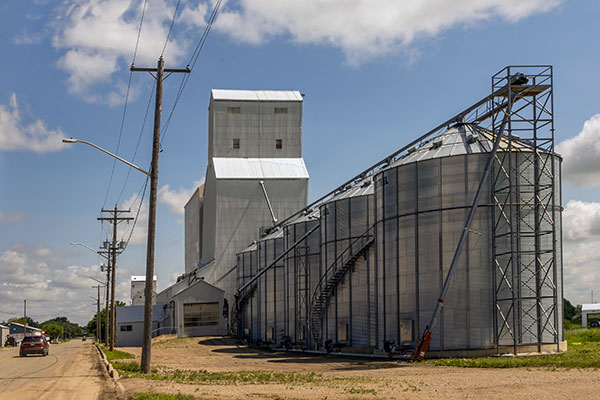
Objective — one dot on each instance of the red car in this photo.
(34, 345)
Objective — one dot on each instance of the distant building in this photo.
(4, 330)
(194, 307)
(138, 285)
(255, 175)
(130, 324)
(17, 331)
(586, 311)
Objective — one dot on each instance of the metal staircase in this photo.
(330, 279)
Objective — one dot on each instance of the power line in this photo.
(191, 63)
(170, 28)
(138, 141)
(112, 172)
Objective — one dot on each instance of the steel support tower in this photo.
(525, 196)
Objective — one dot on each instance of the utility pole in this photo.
(97, 314)
(107, 292)
(115, 219)
(24, 317)
(148, 290)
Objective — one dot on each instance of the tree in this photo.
(53, 330)
(70, 329)
(91, 325)
(570, 310)
(21, 320)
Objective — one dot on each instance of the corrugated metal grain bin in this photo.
(271, 288)
(346, 287)
(247, 266)
(301, 274)
(422, 201)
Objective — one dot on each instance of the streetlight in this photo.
(153, 175)
(71, 140)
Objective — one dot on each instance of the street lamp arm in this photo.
(90, 249)
(107, 152)
(91, 277)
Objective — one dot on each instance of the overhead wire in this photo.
(137, 145)
(112, 172)
(170, 28)
(191, 63)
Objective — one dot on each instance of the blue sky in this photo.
(376, 75)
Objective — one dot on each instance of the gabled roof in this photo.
(136, 313)
(256, 95)
(259, 168)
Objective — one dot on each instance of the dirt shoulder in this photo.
(301, 376)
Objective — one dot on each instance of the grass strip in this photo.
(583, 352)
(116, 354)
(132, 370)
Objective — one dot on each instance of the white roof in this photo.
(139, 278)
(256, 95)
(260, 168)
(590, 307)
(136, 313)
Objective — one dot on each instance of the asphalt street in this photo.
(72, 370)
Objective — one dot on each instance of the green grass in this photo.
(162, 396)
(116, 354)
(583, 352)
(132, 370)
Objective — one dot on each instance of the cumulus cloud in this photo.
(177, 198)
(52, 286)
(363, 29)
(581, 155)
(139, 235)
(581, 239)
(98, 38)
(6, 218)
(15, 134)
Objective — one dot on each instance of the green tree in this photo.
(570, 310)
(70, 329)
(53, 330)
(21, 320)
(91, 325)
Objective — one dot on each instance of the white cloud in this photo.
(11, 217)
(177, 198)
(140, 232)
(25, 37)
(15, 134)
(363, 29)
(581, 239)
(98, 38)
(52, 286)
(581, 155)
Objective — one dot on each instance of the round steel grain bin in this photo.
(422, 201)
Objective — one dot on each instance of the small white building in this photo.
(130, 324)
(4, 330)
(586, 310)
(194, 307)
(138, 285)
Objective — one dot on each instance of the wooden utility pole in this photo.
(115, 219)
(148, 289)
(97, 314)
(108, 268)
(24, 317)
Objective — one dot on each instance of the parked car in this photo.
(54, 341)
(595, 324)
(34, 345)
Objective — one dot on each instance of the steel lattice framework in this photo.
(524, 194)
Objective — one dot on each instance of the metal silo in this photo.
(342, 306)
(271, 288)
(301, 274)
(422, 201)
(247, 266)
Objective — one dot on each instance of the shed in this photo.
(587, 309)
(130, 324)
(3, 334)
